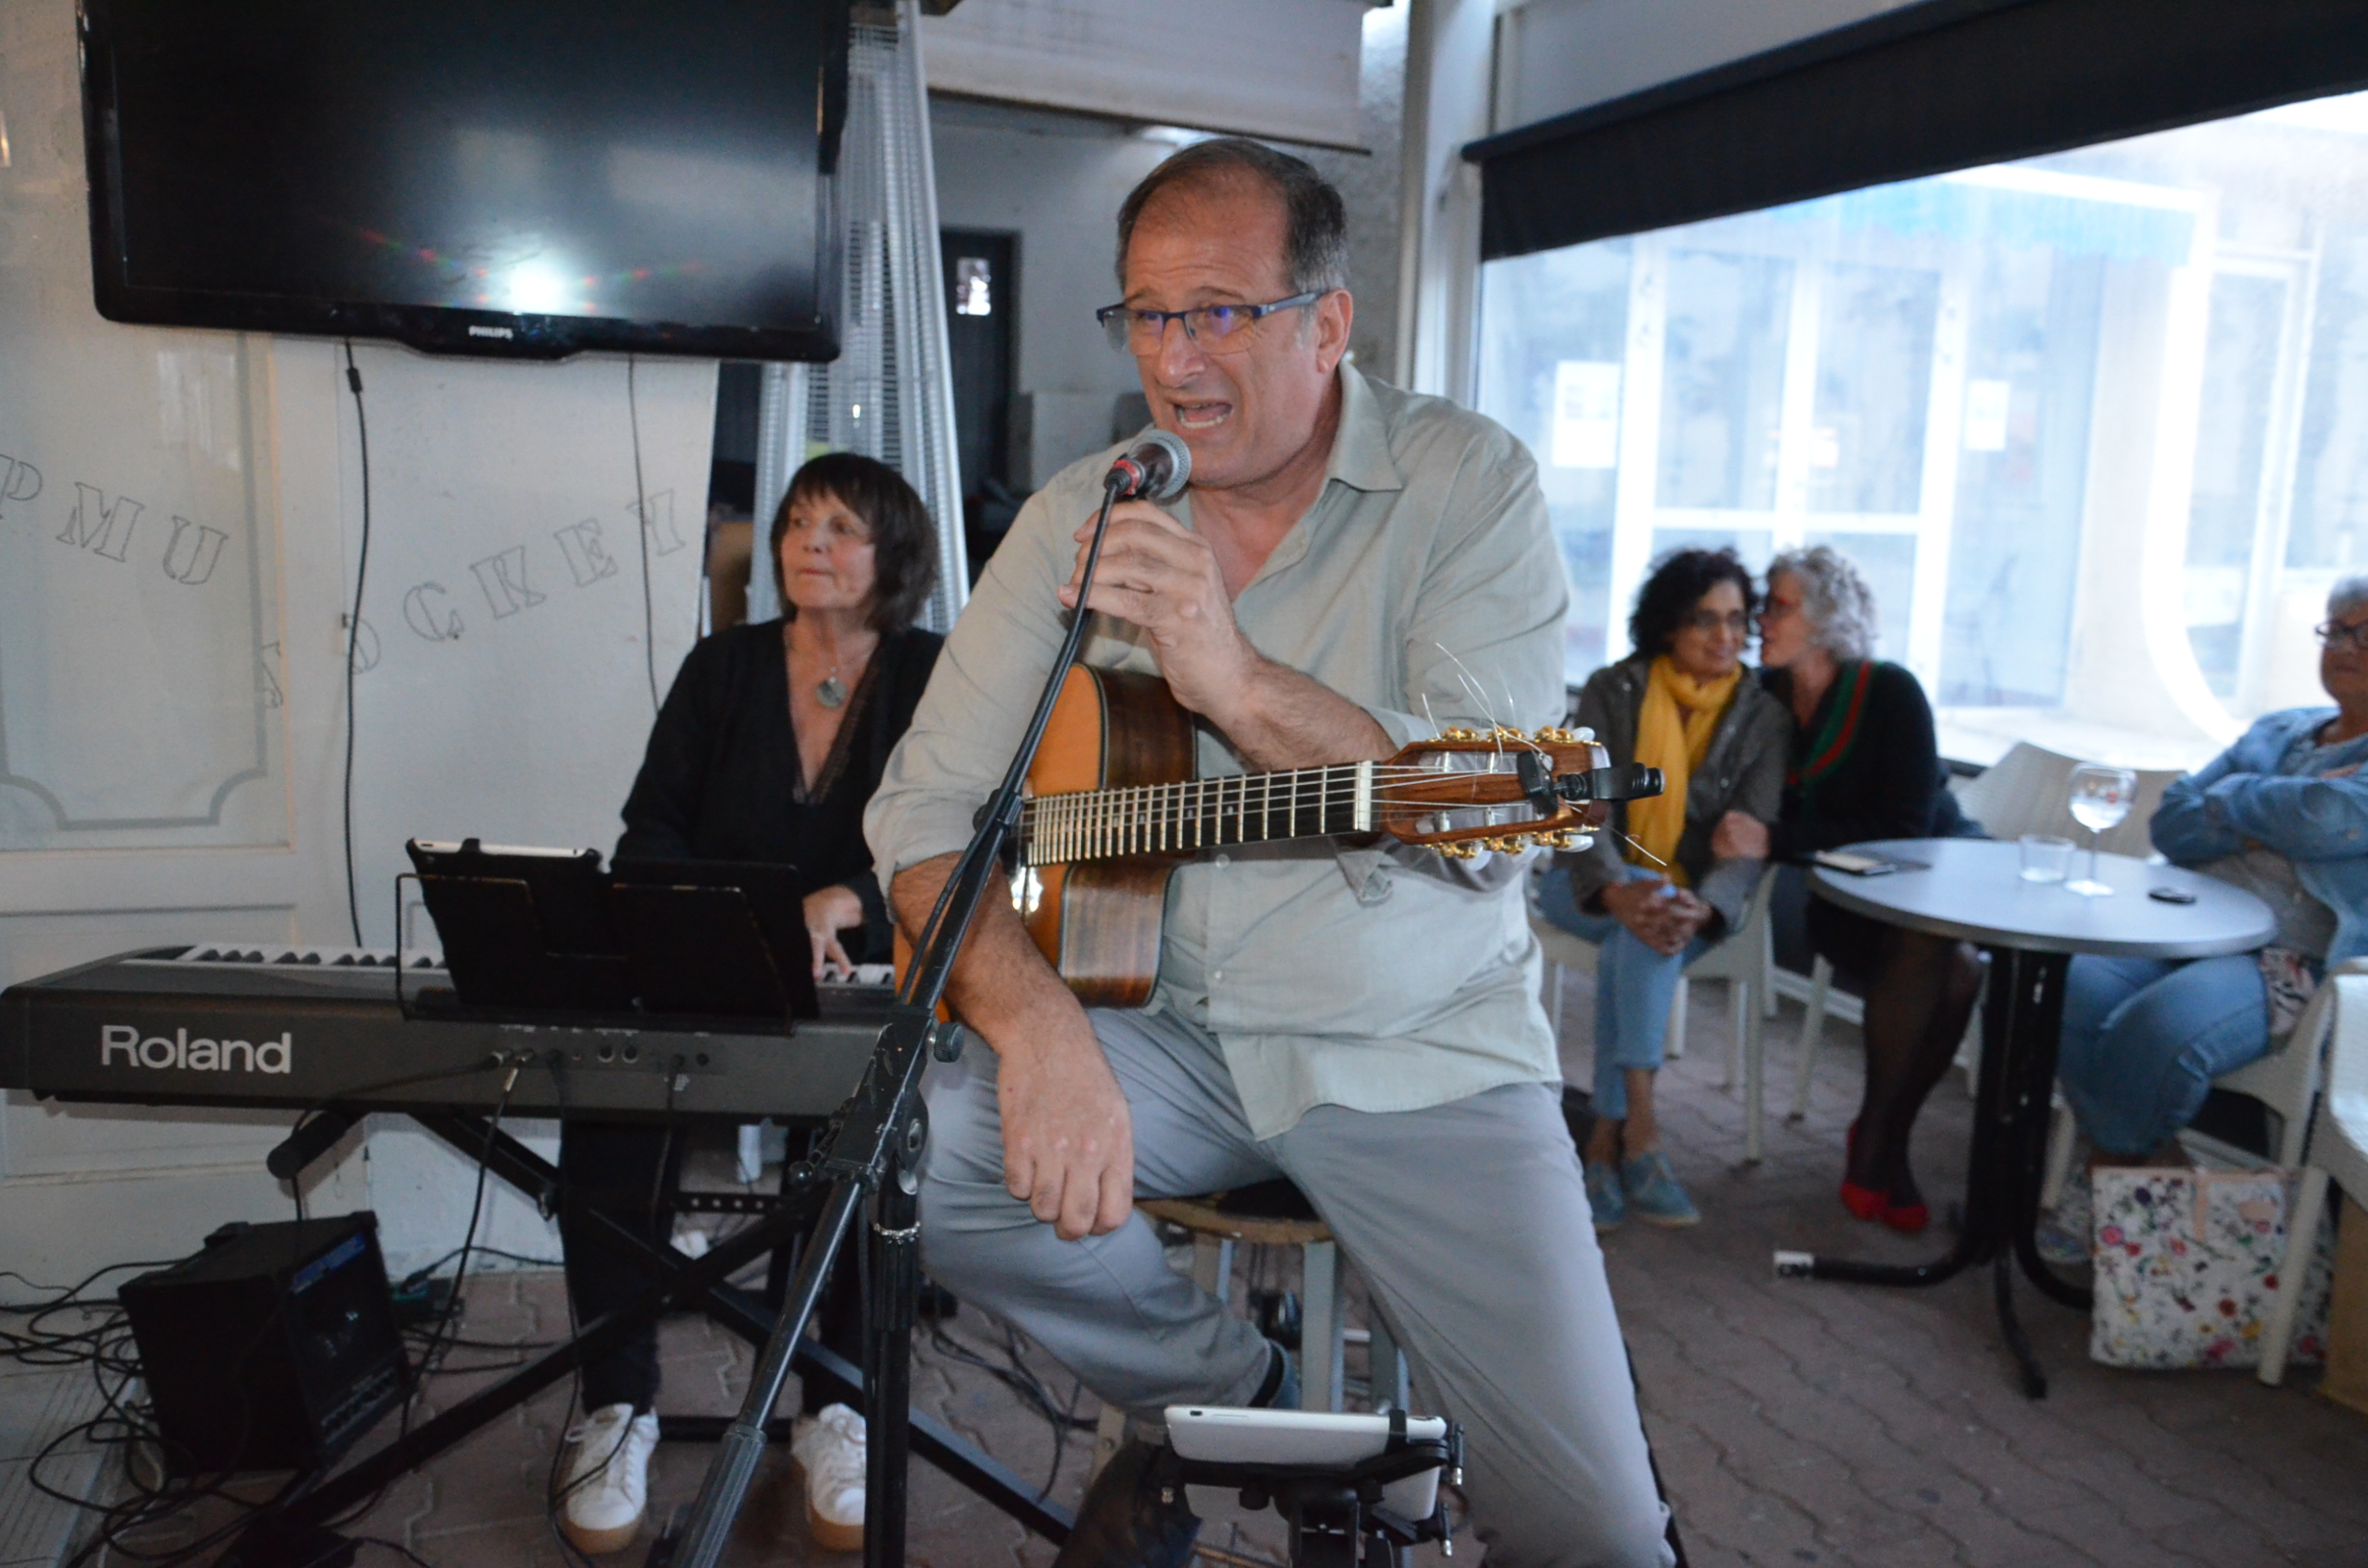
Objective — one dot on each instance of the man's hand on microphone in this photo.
(1161, 576)
(1158, 574)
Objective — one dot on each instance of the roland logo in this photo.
(493, 332)
(180, 1053)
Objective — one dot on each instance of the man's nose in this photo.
(1178, 355)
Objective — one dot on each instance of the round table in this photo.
(1972, 890)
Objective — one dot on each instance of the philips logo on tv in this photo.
(493, 332)
(182, 1054)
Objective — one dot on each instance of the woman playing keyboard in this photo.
(767, 750)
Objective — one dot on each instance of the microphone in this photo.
(1154, 469)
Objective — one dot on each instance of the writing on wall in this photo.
(105, 526)
(513, 580)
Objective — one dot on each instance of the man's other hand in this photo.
(1068, 1142)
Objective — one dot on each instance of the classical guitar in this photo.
(1114, 808)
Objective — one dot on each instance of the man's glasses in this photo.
(2336, 634)
(1217, 328)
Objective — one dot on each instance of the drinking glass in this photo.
(2100, 796)
(2046, 858)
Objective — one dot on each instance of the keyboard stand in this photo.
(676, 1283)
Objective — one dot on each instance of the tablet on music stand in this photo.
(716, 936)
(524, 927)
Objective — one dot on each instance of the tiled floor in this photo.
(1794, 1422)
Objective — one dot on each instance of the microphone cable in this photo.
(352, 640)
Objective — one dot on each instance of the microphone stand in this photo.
(874, 1148)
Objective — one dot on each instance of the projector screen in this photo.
(518, 177)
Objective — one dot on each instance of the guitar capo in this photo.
(1548, 792)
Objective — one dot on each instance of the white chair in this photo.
(1743, 961)
(2027, 791)
(2337, 1145)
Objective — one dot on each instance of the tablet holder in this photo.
(1334, 1511)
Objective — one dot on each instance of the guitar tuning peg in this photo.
(1459, 732)
(1460, 849)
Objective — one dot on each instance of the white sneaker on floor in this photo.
(608, 1480)
(829, 1448)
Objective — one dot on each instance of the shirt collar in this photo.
(1360, 446)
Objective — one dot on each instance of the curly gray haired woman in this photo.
(1863, 766)
(1834, 601)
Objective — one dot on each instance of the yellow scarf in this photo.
(1673, 734)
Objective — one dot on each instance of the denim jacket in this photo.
(2321, 825)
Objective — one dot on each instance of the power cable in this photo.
(353, 638)
(641, 516)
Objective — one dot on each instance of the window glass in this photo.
(2094, 425)
(1552, 372)
(1723, 378)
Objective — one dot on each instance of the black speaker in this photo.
(273, 1348)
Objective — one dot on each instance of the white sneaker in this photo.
(829, 1448)
(608, 1480)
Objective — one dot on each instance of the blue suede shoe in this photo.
(1653, 1193)
(1604, 1195)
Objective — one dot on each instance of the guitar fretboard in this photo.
(1197, 814)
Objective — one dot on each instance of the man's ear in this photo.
(1334, 313)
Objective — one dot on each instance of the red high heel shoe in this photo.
(1872, 1202)
(1862, 1202)
(1907, 1218)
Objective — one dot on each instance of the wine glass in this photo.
(2100, 796)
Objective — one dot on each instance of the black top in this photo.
(722, 780)
(1864, 767)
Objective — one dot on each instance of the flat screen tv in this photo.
(521, 178)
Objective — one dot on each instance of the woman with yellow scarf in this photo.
(1650, 890)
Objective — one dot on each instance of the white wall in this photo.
(171, 693)
(1561, 55)
(1286, 69)
(1057, 180)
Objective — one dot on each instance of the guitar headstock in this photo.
(1466, 792)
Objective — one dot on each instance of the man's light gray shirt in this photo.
(1425, 586)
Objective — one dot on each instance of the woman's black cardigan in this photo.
(719, 780)
(1877, 774)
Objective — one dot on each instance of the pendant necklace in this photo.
(830, 691)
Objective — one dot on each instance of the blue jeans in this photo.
(1633, 987)
(2143, 1039)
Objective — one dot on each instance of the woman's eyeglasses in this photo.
(2336, 634)
(1711, 621)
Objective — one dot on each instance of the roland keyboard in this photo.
(295, 1028)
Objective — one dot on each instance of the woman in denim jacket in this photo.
(2283, 813)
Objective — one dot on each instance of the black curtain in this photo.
(1945, 84)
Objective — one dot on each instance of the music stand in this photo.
(716, 936)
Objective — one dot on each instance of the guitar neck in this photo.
(1197, 814)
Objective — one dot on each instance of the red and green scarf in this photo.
(1841, 729)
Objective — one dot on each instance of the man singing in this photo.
(1350, 566)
